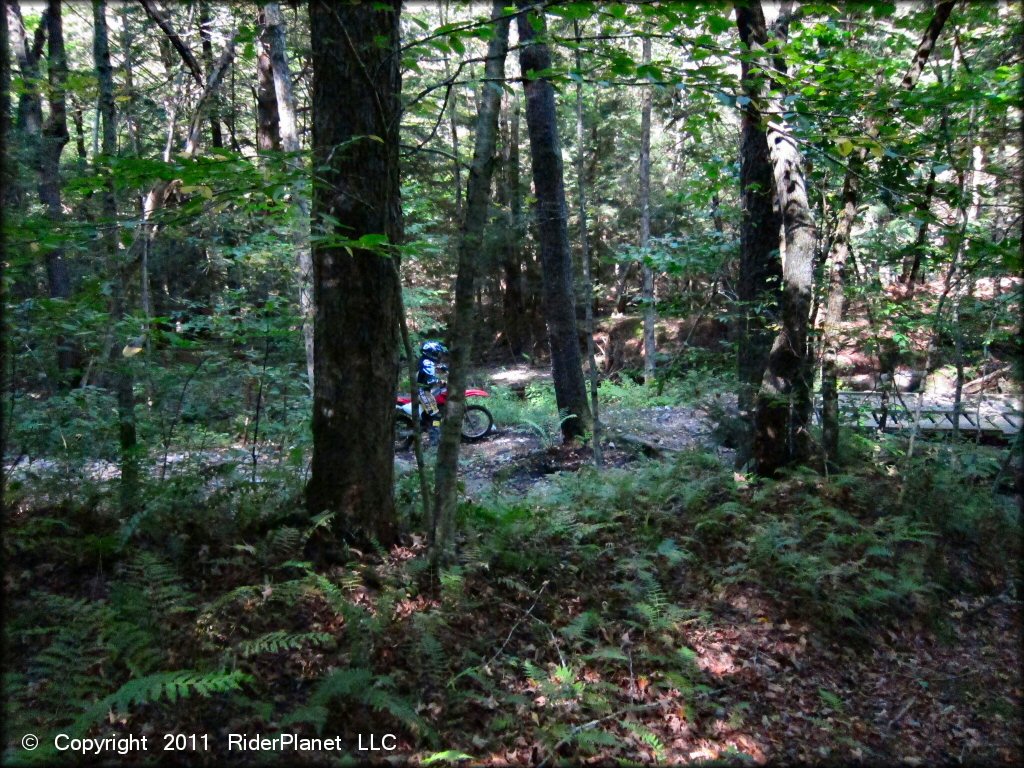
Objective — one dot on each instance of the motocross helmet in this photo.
(433, 350)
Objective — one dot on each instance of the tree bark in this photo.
(478, 192)
(588, 283)
(556, 263)
(216, 137)
(123, 379)
(510, 197)
(54, 137)
(162, 20)
(268, 135)
(758, 288)
(912, 264)
(288, 128)
(647, 273)
(840, 250)
(356, 292)
(783, 403)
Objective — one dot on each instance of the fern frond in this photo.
(282, 640)
(163, 685)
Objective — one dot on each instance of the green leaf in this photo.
(448, 756)
(719, 24)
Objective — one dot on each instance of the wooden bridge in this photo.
(994, 415)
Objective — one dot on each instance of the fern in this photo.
(281, 544)
(282, 640)
(430, 653)
(171, 686)
(647, 737)
(357, 685)
(579, 627)
(590, 740)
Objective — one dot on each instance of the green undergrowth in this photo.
(534, 409)
(573, 604)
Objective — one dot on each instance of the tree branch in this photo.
(162, 21)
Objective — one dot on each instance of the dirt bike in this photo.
(477, 421)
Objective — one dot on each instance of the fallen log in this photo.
(648, 448)
(977, 385)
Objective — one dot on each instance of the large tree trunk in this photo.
(288, 129)
(760, 267)
(840, 251)
(783, 404)
(478, 193)
(123, 380)
(552, 220)
(356, 292)
(647, 273)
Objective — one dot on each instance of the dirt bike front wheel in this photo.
(476, 422)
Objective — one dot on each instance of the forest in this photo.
(544, 382)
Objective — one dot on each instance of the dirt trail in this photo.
(517, 458)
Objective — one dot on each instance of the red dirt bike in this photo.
(477, 421)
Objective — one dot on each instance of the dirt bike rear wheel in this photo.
(404, 433)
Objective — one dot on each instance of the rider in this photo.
(431, 376)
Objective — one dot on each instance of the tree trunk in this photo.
(54, 137)
(840, 251)
(6, 179)
(288, 128)
(552, 219)
(356, 292)
(647, 273)
(760, 277)
(478, 193)
(509, 195)
(912, 264)
(783, 403)
(45, 143)
(268, 135)
(123, 380)
(588, 283)
(216, 137)
(453, 124)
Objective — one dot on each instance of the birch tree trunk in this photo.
(478, 192)
(783, 403)
(556, 264)
(288, 129)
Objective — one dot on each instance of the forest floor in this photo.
(772, 687)
(573, 628)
